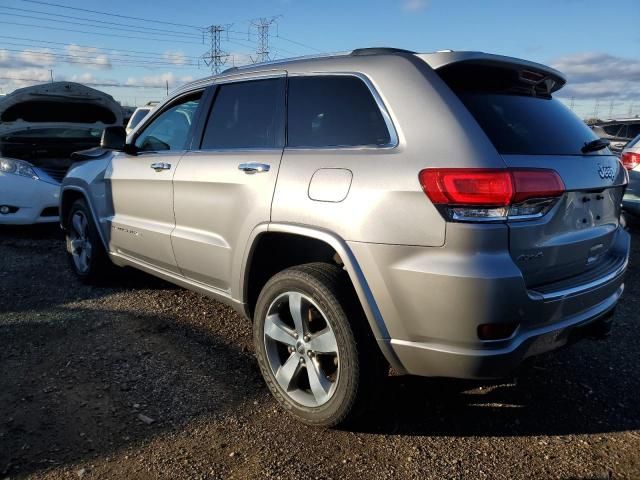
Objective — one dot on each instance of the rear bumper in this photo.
(30, 197)
(443, 361)
(432, 301)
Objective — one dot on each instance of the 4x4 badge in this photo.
(606, 172)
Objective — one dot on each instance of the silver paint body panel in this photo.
(425, 284)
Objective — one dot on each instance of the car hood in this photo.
(64, 104)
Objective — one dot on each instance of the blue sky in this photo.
(597, 47)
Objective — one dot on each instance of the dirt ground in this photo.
(141, 379)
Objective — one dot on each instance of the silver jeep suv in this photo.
(440, 213)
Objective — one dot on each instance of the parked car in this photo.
(631, 160)
(138, 115)
(40, 127)
(618, 132)
(414, 210)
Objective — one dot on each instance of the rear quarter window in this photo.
(334, 111)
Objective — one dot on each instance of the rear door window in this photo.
(333, 111)
(248, 114)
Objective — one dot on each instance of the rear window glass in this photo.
(612, 129)
(333, 111)
(634, 142)
(633, 130)
(528, 125)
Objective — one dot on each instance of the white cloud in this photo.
(159, 80)
(414, 5)
(87, 56)
(599, 75)
(30, 58)
(176, 58)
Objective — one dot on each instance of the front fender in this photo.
(87, 179)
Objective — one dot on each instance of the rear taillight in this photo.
(630, 160)
(471, 194)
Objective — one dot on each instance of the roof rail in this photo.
(378, 51)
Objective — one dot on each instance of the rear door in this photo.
(530, 129)
(224, 190)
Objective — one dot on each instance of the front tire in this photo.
(313, 346)
(85, 251)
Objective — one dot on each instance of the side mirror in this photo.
(114, 138)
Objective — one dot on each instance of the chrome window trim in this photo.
(391, 129)
(249, 76)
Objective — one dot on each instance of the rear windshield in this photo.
(518, 115)
(528, 125)
(634, 142)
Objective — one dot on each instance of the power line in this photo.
(93, 84)
(122, 29)
(107, 50)
(50, 4)
(98, 21)
(298, 43)
(98, 33)
(95, 50)
(85, 59)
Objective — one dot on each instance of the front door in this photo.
(139, 186)
(224, 190)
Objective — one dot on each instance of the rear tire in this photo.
(85, 251)
(321, 364)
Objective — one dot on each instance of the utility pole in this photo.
(261, 27)
(596, 108)
(573, 99)
(51, 75)
(215, 57)
(167, 85)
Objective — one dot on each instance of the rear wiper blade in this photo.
(595, 145)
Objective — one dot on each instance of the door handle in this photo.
(252, 167)
(159, 166)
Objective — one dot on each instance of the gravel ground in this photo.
(141, 379)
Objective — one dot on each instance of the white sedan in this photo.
(40, 127)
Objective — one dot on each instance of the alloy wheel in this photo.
(79, 244)
(301, 348)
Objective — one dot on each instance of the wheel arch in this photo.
(327, 242)
(68, 195)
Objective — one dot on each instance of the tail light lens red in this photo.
(630, 160)
(453, 186)
(492, 194)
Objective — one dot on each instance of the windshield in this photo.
(528, 125)
(137, 116)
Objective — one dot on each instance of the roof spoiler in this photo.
(529, 72)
